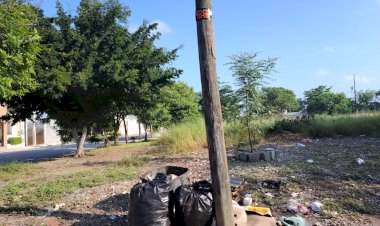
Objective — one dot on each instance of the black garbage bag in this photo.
(194, 205)
(149, 204)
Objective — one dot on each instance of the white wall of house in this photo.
(133, 127)
(51, 134)
(16, 130)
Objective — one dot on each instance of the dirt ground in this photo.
(349, 192)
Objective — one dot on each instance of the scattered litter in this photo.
(307, 141)
(310, 161)
(360, 161)
(300, 145)
(270, 195)
(54, 209)
(292, 221)
(295, 194)
(124, 213)
(240, 216)
(113, 217)
(263, 211)
(271, 184)
(237, 186)
(363, 135)
(58, 206)
(247, 201)
(316, 206)
(295, 207)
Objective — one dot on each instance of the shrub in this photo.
(95, 138)
(14, 140)
(287, 126)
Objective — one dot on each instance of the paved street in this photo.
(40, 153)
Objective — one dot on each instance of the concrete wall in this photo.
(133, 127)
(51, 134)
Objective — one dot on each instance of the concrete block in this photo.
(243, 156)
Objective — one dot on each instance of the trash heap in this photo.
(165, 198)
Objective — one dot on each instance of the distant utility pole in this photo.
(355, 98)
(213, 114)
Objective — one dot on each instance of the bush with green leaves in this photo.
(14, 140)
(287, 126)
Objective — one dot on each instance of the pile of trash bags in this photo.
(164, 198)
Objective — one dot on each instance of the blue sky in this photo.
(317, 42)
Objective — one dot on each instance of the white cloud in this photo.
(321, 72)
(329, 49)
(162, 27)
(358, 79)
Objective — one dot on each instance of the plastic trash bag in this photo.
(194, 205)
(149, 204)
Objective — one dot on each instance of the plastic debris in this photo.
(263, 211)
(295, 194)
(113, 217)
(292, 221)
(310, 161)
(295, 207)
(270, 195)
(316, 206)
(247, 201)
(300, 145)
(360, 161)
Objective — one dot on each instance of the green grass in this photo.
(14, 170)
(185, 137)
(125, 146)
(346, 125)
(45, 190)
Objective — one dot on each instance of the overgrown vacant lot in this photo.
(94, 190)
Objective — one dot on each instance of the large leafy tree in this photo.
(91, 67)
(322, 100)
(250, 74)
(180, 100)
(19, 46)
(279, 99)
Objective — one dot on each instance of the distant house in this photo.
(31, 133)
(135, 128)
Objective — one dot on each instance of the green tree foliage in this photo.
(180, 100)
(279, 99)
(322, 100)
(93, 71)
(230, 103)
(250, 74)
(366, 100)
(19, 46)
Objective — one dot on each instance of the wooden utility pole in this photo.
(213, 114)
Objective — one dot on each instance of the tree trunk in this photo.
(116, 131)
(139, 129)
(151, 131)
(249, 134)
(146, 132)
(125, 122)
(80, 143)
